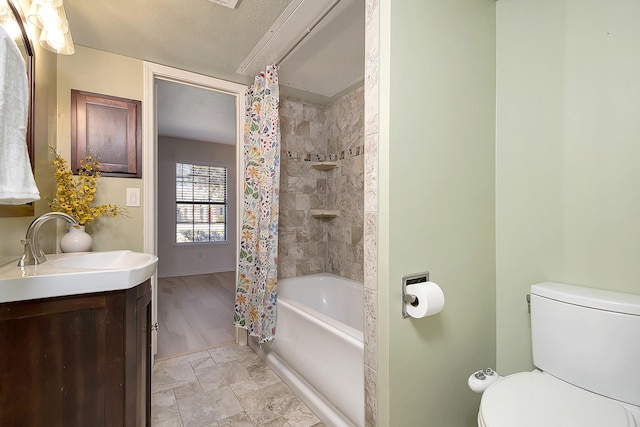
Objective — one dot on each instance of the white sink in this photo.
(75, 273)
(114, 260)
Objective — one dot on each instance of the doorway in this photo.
(153, 75)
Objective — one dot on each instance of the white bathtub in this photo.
(318, 349)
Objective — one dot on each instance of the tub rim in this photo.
(322, 320)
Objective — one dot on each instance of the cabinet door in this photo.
(77, 361)
(143, 356)
(55, 361)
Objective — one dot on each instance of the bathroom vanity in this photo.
(80, 359)
(77, 360)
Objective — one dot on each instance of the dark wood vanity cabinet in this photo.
(81, 360)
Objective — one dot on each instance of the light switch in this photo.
(133, 197)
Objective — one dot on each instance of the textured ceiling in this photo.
(194, 35)
(213, 40)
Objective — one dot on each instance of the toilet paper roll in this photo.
(430, 299)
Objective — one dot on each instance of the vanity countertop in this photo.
(74, 274)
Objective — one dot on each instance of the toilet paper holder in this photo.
(411, 279)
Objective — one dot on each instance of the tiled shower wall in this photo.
(345, 138)
(371, 209)
(312, 133)
(302, 243)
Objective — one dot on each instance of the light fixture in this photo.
(57, 42)
(8, 21)
(50, 17)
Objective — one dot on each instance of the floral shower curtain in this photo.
(256, 296)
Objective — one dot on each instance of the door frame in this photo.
(153, 72)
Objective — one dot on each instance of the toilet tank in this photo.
(588, 337)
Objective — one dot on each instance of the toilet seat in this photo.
(535, 399)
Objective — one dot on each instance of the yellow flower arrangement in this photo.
(74, 195)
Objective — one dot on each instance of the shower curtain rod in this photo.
(307, 32)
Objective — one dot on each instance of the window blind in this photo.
(201, 203)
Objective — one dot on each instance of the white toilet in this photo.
(586, 345)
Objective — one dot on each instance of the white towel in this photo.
(17, 185)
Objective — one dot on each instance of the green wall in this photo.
(567, 180)
(436, 206)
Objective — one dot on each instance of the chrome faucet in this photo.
(33, 254)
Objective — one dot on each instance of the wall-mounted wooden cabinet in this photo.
(80, 360)
(107, 127)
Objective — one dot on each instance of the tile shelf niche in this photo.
(324, 213)
(324, 166)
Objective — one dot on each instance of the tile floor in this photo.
(224, 386)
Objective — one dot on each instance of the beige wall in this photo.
(93, 71)
(108, 74)
(436, 178)
(567, 180)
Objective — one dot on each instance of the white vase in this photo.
(76, 240)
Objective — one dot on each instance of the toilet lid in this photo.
(534, 399)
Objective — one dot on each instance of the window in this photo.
(201, 203)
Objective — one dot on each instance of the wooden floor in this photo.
(195, 313)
